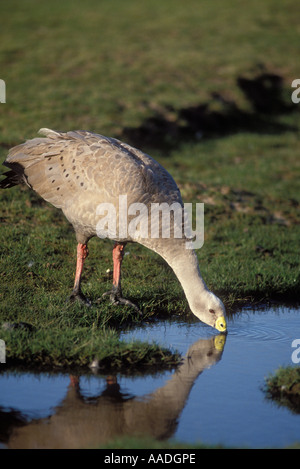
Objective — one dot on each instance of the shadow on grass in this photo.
(217, 117)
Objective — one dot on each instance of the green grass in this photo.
(165, 76)
(149, 443)
(79, 347)
(145, 443)
(284, 387)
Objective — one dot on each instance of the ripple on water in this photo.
(264, 325)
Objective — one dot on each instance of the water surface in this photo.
(214, 397)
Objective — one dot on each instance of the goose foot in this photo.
(116, 299)
(78, 296)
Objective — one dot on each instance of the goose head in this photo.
(210, 310)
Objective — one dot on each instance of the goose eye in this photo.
(212, 311)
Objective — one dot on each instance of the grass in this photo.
(284, 387)
(79, 347)
(149, 443)
(210, 101)
(140, 443)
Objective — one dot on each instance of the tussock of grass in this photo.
(284, 387)
(80, 347)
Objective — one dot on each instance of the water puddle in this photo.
(214, 397)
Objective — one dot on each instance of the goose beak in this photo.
(220, 324)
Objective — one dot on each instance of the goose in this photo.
(77, 171)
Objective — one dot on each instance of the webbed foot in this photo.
(116, 299)
(79, 296)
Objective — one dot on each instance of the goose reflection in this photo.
(84, 423)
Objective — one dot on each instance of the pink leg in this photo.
(82, 253)
(118, 254)
(115, 293)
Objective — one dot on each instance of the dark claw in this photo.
(117, 299)
(78, 296)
